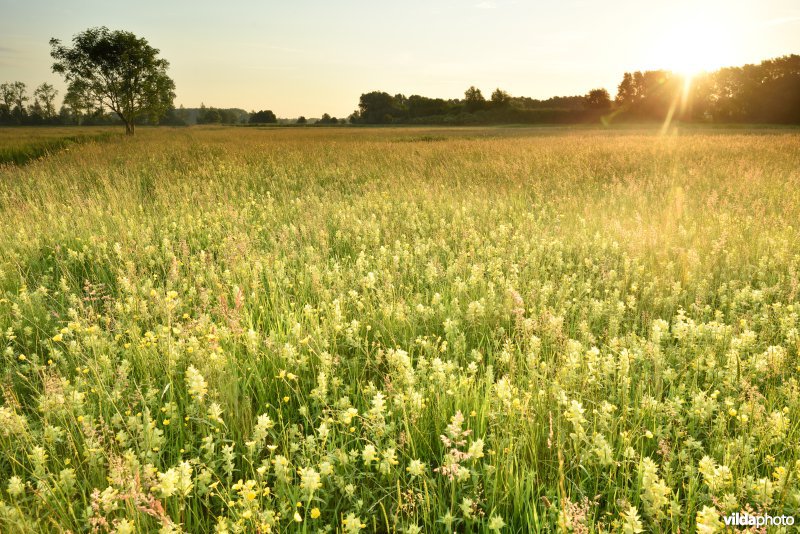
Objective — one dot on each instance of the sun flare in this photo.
(696, 44)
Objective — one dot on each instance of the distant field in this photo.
(400, 330)
(21, 145)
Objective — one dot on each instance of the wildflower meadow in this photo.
(401, 330)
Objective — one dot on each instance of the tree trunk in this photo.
(129, 128)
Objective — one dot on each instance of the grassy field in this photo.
(401, 330)
(22, 145)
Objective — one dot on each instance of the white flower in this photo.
(496, 523)
(352, 524)
(631, 524)
(378, 404)
(263, 424)
(124, 527)
(389, 459)
(708, 521)
(416, 468)
(658, 329)
(16, 486)
(655, 493)
(176, 480)
(195, 383)
(369, 454)
(310, 480)
(476, 449)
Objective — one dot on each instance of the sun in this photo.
(694, 44)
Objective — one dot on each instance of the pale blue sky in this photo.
(308, 57)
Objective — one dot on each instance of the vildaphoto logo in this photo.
(748, 520)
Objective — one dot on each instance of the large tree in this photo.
(117, 70)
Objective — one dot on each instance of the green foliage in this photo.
(400, 329)
(763, 93)
(41, 146)
(327, 119)
(14, 97)
(598, 99)
(473, 99)
(500, 98)
(117, 70)
(212, 115)
(263, 117)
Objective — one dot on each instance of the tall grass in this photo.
(306, 330)
(21, 145)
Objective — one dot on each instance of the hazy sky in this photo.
(301, 57)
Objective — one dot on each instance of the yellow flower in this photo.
(315, 513)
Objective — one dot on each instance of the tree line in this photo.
(768, 93)
(765, 93)
(382, 108)
(17, 107)
(117, 77)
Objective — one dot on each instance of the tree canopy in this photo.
(500, 98)
(117, 70)
(473, 99)
(327, 119)
(598, 99)
(265, 116)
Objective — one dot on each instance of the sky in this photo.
(302, 57)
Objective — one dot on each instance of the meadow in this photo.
(22, 145)
(401, 330)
